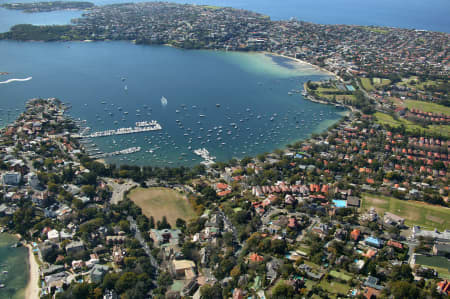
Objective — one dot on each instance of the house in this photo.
(340, 234)
(74, 247)
(55, 281)
(190, 287)
(353, 202)
(359, 264)
(238, 293)
(432, 234)
(443, 287)
(118, 254)
(53, 236)
(372, 282)
(77, 264)
(97, 273)
(272, 270)
(395, 244)
(52, 270)
(254, 257)
(164, 236)
(371, 241)
(393, 220)
(183, 269)
(321, 230)
(292, 223)
(371, 293)
(11, 178)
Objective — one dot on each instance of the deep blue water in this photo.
(250, 89)
(417, 14)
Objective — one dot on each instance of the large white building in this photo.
(11, 178)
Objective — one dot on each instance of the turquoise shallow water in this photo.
(251, 89)
(14, 261)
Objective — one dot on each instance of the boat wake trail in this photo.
(16, 80)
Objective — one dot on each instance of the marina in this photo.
(249, 115)
(126, 151)
(208, 160)
(142, 127)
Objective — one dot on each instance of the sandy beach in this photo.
(32, 290)
(301, 62)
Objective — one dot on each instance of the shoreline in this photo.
(301, 62)
(32, 290)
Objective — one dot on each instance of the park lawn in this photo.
(418, 85)
(304, 249)
(334, 287)
(338, 97)
(367, 84)
(349, 97)
(427, 107)
(386, 119)
(379, 82)
(327, 90)
(415, 213)
(159, 202)
(340, 275)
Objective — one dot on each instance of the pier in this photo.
(208, 160)
(140, 127)
(126, 151)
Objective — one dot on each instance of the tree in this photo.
(180, 223)
(152, 222)
(282, 290)
(88, 190)
(402, 272)
(163, 224)
(207, 291)
(404, 290)
(126, 281)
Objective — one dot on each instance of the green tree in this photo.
(282, 290)
(126, 281)
(181, 224)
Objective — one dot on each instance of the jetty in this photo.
(208, 160)
(126, 151)
(149, 126)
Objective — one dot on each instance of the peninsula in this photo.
(48, 6)
(361, 210)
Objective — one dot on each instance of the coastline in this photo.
(32, 289)
(300, 61)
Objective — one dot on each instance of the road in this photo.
(138, 236)
(118, 190)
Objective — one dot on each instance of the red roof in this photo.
(223, 193)
(444, 287)
(221, 186)
(395, 244)
(355, 234)
(254, 257)
(292, 222)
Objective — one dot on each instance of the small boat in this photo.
(164, 101)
